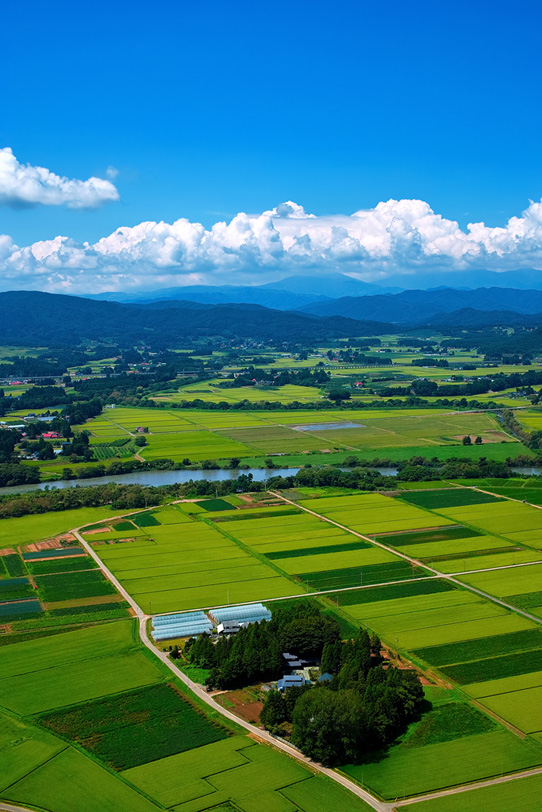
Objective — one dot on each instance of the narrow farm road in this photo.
(491, 782)
(202, 694)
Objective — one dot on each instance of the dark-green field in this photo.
(455, 497)
(131, 729)
(387, 593)
(481, 648)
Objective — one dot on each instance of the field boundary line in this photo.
(490, 782)
(416, 563)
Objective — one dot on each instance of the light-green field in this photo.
(189, 564)
(103, 658)
(409, 771)
(15, 532)
(198, 435)
(520, 796)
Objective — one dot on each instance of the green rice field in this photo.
(180, 434)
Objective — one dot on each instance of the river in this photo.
(157, 478)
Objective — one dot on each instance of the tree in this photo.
(273, 712)
(339, 395)
(478, 440)
(307, 636)
(467, 440)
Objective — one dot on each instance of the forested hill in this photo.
(421, 306)
(35, 317)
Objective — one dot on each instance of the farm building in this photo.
(228, 627)
(291, 681)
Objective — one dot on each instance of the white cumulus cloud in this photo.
(396, 236)
(26, 185)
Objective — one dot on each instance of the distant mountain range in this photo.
(31, 317)
(526, 279)
(289, 294)
(298, 292)
(419, 306)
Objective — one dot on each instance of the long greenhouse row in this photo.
(191, 624)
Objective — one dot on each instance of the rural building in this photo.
(291, 681)
(228, 627)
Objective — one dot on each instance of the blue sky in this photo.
(209, 109)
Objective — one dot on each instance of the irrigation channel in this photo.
(157, 478)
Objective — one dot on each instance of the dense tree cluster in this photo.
(367, 704)
(250, 375)
(255, 652)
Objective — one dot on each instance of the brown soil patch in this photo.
(98, 530)
(7, 551)
(82, 554)
(403, 665)
(243, 703)
(56, 543)
(97, 601)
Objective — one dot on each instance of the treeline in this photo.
(496, 342)
(532, 439)
(359, 477)
(117, 495)
(347, 404)
(120, 497)
(430, 362)
(488, 383)
(352, 357)
(254, 654)
(304, 377)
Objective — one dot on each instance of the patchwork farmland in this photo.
(447, 577)
(199, 435)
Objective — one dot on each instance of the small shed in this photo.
(326, 677)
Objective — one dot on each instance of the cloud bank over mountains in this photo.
(23, 185)
(395, 236)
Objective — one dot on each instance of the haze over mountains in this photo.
(302, 291)
(296, 308)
